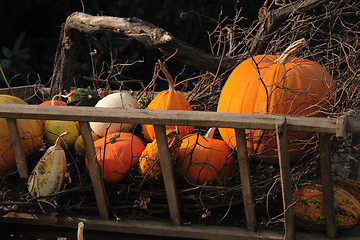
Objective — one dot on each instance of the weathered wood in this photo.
(168, 174)
(285, 177)
(65, 60)
(152, 36)
(341, 132)
(28, 92)
(94, 170)
(245, 176)
(156, 228)
(174, 117)
(327, 185)
(355, 156)
(17, 148)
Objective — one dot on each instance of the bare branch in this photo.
(275, 19)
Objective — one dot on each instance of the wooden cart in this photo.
(159, 118)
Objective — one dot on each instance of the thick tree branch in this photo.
(152, 36)
(158, 38)
(138, 29)
(276, 18)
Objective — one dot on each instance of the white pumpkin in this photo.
(119, 100)
(49, 173)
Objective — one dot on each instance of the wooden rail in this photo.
(279, 123)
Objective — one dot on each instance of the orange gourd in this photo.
(168, 100)
(118, 156)
(203, 159)
(56, 103)
(273, 84)
(52, 102)
(31, 135)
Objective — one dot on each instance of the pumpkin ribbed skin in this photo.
(48, 174)
(308, 208)
(294, 86)
(168, 100)
(350, 185)
(205, 159)
(149, 161)
(122, 152)
(31, 134)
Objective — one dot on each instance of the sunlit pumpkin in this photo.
(118, 156)
(275, 84)
(31, 133)
(168, 100)
(203, 159)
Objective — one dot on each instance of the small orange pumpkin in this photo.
(168, 100)
(120, 154)
(205, 159)
(52, 102)
(277, 85)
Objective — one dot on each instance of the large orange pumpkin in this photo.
(168, 100)
(30, 131)
(205, 159)
(120, 154)
(277, 85)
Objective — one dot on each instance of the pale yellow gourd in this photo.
(49, 173)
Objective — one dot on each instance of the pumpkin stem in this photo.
(57, 143)
(168, 77)
(290, 50)
(210, 133)
(59, 95)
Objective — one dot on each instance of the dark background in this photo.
(30, 30)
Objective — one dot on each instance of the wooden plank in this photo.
(155, 228)
(94, 170)
(27, 92)
(245, 176)
(17, 148)
(354, 159)
(174, 117)
(283, 152)
(327, 186)
(168, 174)
(341, 132)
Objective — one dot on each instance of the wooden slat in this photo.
(168, 174)
(327, 186)
(174, 117)
(245, 177)
(162, 229)
(341, 132)
(284, 164)
(17, 148)
(94, 170)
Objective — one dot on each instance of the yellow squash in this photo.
(149, 160)
(49, 173)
